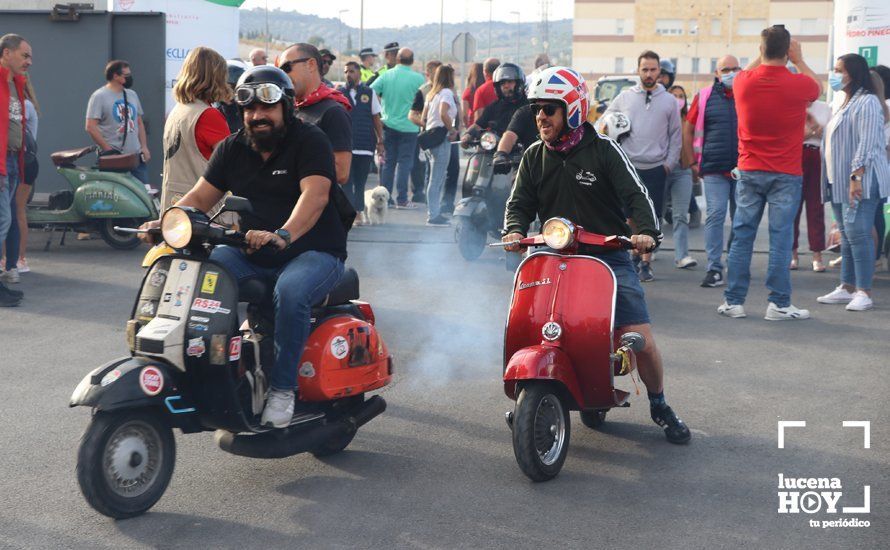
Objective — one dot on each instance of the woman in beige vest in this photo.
(194, 127)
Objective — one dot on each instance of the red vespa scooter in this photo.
(558, 346)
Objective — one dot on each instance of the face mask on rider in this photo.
(836, 81)
(128, 82)
(727, 79)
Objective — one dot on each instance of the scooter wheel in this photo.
(125, 462)
(470, 240)
(594, 419)
(541, 432)
(119, 241)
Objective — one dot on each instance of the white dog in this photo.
(376, 205)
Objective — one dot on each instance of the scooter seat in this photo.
(255, 291)
(64, 158)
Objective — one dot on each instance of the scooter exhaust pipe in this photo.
(285, 443)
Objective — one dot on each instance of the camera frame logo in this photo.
(810, 495)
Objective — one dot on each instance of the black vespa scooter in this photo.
(193, 366)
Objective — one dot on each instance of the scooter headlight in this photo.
(488, 141)
(558, 233)
(176, 227)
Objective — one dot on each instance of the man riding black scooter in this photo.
(509, 84)
(296, 240)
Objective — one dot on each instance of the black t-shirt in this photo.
(497, 116)
(523, 125)
(334, 121)
(273, 188)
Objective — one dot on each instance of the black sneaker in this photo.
(14, 293)
(645, 273)
(438, 221)
(674, 429)
(713, 279)
(8, 299)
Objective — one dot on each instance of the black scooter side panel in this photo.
(471, 207)
(117, 385)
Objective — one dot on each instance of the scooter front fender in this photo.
(470, 207)
(129, 382)
(541, 363)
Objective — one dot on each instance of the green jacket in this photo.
(593, 185)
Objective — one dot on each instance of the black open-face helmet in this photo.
(265, 84)
(509, 71)
(235, 68)
(667, 68)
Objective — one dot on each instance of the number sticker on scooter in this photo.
(151, 381)
(339, 347)
(235, 348)
(208, 306)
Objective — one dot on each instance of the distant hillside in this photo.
(291, 26)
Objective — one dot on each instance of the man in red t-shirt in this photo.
(485, 94)
(771, 103)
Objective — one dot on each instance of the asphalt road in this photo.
(436, 470)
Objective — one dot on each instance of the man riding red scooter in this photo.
(575, 173)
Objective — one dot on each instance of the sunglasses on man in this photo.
(265, 92)
(288, 65)
(549, 109)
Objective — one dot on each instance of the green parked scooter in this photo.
(99, 199)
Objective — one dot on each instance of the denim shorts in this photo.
(630, 300)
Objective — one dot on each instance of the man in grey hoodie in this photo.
(653, 145)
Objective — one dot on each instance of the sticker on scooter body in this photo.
(235, 348)
(195, 347)
(208, 286)
(151, 380)
(208, 306)
(339, 347)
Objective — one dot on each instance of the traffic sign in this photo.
(463, 47)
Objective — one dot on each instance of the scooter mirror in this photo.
(237, 204)
(633, 340)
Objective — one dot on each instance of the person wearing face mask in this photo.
(654, 142)
(712, 130)
(855, 177)
(771, 103)
(679, 189)
(114, 117)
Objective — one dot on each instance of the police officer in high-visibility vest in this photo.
(368, 58)
(390, 52)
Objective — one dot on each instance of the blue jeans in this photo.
(679, 185)
(299, 284)
(719, 191)
(857, 243)
(754, 191)
(8, 185)
(439, 157)
(400, 153)
(140, 172)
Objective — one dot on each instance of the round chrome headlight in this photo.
(488, 141)
(176, 227)
(558, 233)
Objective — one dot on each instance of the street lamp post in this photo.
(490, 4)
(518, 33)
(340, 38)
(361, 26)
(441, 29)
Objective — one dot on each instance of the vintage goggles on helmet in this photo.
(265, 92)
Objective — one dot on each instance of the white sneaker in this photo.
(736, 311)
(840, 295)
(11, 276)
(279, 409)
(686, 263)
(790, 313)
(22, 266)
(860, 302)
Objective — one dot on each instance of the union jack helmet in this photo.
(567, 86)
